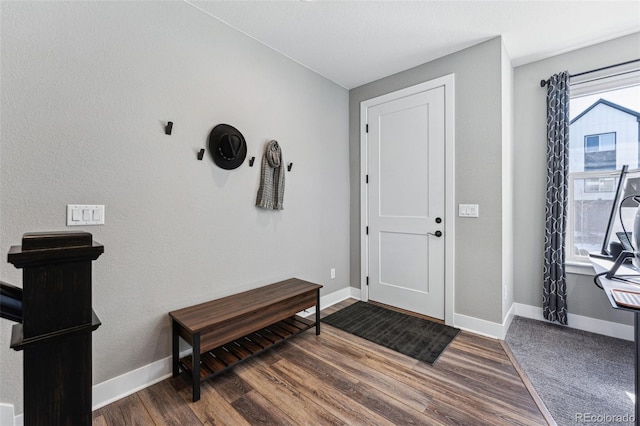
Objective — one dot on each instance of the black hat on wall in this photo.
(227, 146)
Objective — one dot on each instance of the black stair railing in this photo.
(10, 302)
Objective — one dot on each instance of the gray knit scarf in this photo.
(271, 190)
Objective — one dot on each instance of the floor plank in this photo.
(213, 409)
(257, 410)
(282, 395)
(338, 378)
(166, 406)
(129, 410)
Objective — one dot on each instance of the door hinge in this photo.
(366, 128)
(366, 179)
(367, 230)
(367, 280)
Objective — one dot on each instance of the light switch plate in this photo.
(85, 214)
(468, 210)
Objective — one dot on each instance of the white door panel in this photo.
(405, 161)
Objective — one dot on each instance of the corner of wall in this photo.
(508, 177)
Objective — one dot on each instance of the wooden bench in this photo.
(224, 332)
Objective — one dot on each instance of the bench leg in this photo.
(175, 348)
(195, 374)
(318, 312)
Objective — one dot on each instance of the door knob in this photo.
(436, 234)
(438, 219)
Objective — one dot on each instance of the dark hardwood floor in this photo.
(338, 378)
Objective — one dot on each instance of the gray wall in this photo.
(478, 170)
(529, 186)
(86, 89)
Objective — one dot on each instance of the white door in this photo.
(406, 202)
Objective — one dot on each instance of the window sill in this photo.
(579, 268)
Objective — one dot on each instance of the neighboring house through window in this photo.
(604, 135)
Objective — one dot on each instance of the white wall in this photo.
(530, 177)
(85, 91)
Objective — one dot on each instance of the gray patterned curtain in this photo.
(554, 299)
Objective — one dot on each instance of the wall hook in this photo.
(168, 128)
(201, 154)
(289, 166)
(251, 160)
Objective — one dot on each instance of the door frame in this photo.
(448, 82)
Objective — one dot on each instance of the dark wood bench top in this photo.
(206, 315)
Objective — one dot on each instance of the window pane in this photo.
(608, 142)
(592, 144)
(599, 185)
(591, 211)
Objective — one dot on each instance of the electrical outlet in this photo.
(333, 273)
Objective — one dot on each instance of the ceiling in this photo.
(356, 42)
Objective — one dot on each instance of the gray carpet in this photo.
(575, 372)
(418, 338)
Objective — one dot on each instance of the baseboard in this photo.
(126, 384)
(333, 298)
(133, 381)
(580, 322)
(6, 415)
(479, 326)
(508, 319)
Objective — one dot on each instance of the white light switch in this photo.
(83, 214)
(468, 210)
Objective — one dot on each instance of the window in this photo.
(604, 135)
(599, 143)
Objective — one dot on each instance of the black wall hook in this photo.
(168, 128)
(201, 154)
(251, 160)
(289, 166)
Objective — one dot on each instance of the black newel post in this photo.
(58, 320)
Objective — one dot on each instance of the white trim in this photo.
(448, 81)
(356, 293)
(128, 383)
(579, 268)
(506, 323)
(478, 326)
(331, 299)
(483, 327)
(7, 418)
(364, 202)
(580, 322)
